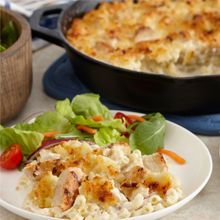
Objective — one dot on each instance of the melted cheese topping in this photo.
(80, 179)
(178, 38)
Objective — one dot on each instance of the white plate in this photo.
(194, 175)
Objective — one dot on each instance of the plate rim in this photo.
(154, 215)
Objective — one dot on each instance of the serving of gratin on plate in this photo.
(178, 38)
(80, 180)
(82, 161)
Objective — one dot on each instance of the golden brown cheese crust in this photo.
(99, 189)
(43, 191)
(83, 157)
(87, 175)
(138, 176)
(161, 36)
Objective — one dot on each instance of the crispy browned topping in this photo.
(138, 176)
(99, 189)
(43, 191)
(88, 160)
(132, 179)
(96, 175)
(159, 36)
(159, 184)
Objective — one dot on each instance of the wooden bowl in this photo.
(15, 68)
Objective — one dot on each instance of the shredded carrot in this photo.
(135, 118)
(86, 129)
(173, 155)
(97, 118)
(50, 134)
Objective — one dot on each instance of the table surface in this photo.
(206, 206)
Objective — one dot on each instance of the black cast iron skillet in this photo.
(142, 91)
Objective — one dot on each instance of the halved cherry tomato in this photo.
(120, 115)
(11, 157)
(126, 134)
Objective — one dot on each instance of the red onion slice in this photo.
(45, 145)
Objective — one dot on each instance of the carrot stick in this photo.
(97, 118)
(50, 134)
(86, 129)
(135, 117)
(173, 155)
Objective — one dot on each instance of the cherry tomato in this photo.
(120, 115)
(11, 157)
(126, 134)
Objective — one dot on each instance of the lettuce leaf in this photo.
(89, 105)
(1, 127)
(2, 48)
(64, 108)
(148, 136)
(108, 136)
(114, 123)
(9, 34)
(28, 140)
(75, 133)
(49, 121)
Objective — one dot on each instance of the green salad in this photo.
(86, 118)
(8, 35)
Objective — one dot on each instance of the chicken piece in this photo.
(146, 34)
(155, 162)
(102, 46)
(67, 188)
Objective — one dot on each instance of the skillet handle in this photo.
(50, 34)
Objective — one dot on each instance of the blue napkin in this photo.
(60, 82)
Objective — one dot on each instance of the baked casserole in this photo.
(178, 38)
(80, 180)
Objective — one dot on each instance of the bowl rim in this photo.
(25, 29)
